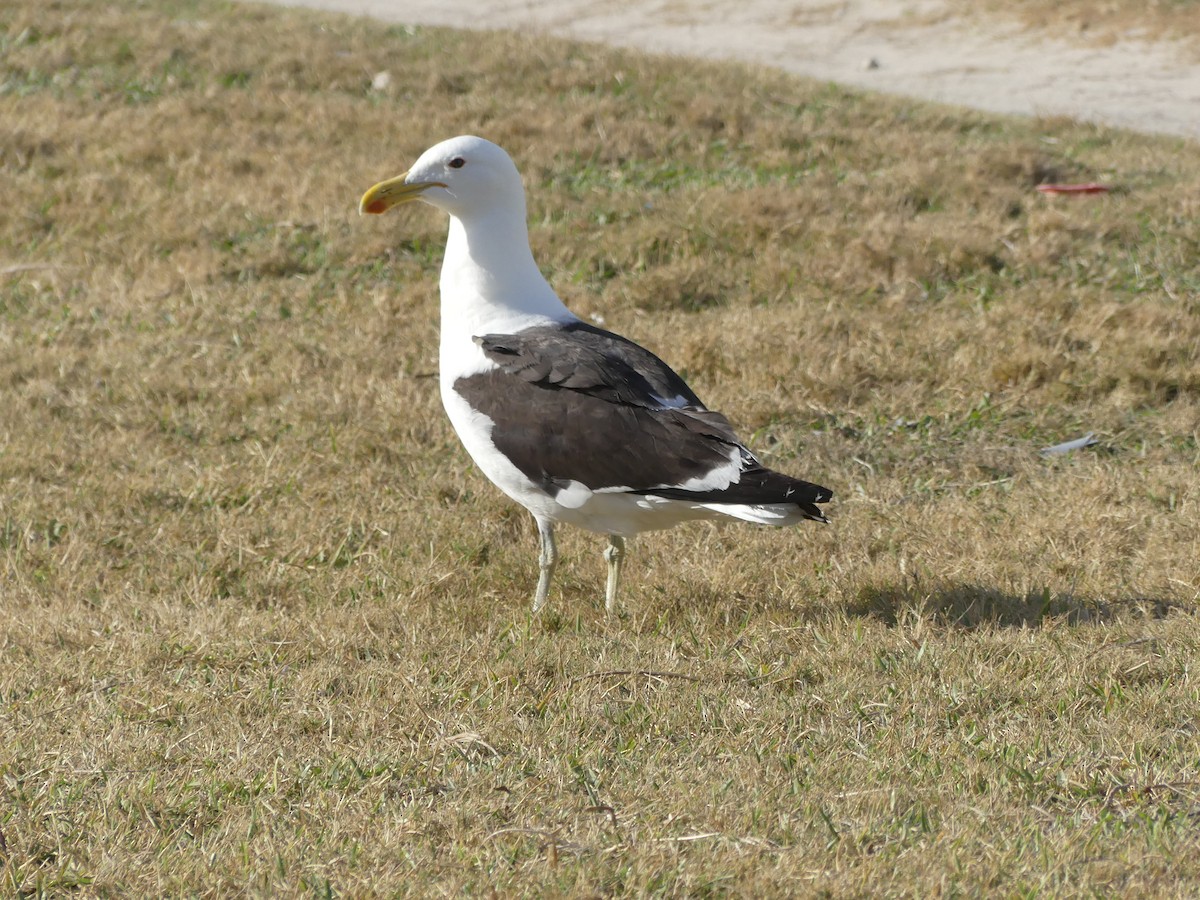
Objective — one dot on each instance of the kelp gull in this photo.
(575, 423)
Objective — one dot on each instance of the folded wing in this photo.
(577, 405)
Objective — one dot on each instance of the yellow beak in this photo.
(383, 196)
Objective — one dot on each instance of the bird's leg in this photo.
(547, 560)
(615, 554)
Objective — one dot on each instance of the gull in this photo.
(577, 424)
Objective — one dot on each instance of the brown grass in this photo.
(264, 629)
(1108, 22)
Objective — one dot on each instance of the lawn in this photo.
(265, 631)
(1101, 23)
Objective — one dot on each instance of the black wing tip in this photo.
(815, 494)
(809, 495)
(820, 495)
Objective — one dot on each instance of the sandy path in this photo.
(915, 49)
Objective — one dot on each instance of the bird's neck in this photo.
(490, 282)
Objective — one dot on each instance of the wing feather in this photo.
(580, 404)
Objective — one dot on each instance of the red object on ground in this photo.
(1090, 188)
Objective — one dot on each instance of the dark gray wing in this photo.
(580, 357)
(576, 403)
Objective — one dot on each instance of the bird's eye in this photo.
(457, 163)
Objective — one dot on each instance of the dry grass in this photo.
(1107, 22)
(264, 630)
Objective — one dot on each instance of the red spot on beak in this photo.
(376, 207)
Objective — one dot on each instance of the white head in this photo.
(489, 281)
(465, 176)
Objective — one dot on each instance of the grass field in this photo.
(1107, 22)
(265, 631)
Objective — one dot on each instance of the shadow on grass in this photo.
(973, 606)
